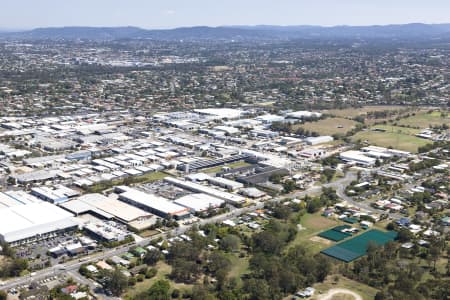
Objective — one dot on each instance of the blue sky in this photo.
(25, 14)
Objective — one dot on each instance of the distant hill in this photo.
(415, 30)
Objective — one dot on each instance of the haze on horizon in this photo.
(27, 14)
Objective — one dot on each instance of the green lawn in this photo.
(240, 266)
(397, 129)
(425, 119)
(329, 126)
(313, 224)
(396, 139)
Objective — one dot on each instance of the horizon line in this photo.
(11, 29)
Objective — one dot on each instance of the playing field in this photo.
(396, 140)
(312, 224)
(425, 120)
(356, 247)
(353, 112)
(330, 126)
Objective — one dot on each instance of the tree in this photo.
(281, 212)
(116, 282)
(218, 261)
(289, 186)
(434, 252)
(258, 289)
(268, 242)
(230, 242)
(152, 257)
(404, 235)
(185, 271)
(199, 292)
(313, 205)
(18, 265)
(328, 174)
(7, 250)
(159, 291)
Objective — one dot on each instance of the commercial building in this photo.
(357, 157)
(199, 202)
(303, 115)
(21, 224)
(225, 183)
(198, 188)
(209, 163)
(220, 113)
(382, 152)
(106, 232)
(56, 195)
(318, 140)
(35, 176)
(109, 208)
(152, 203)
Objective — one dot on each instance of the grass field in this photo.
(365, 291)
(354, 112)
(313, 224)
(396, 140)
(240, 266)
(238, 164)
(397, 129)
(330, 126)
(424, 120)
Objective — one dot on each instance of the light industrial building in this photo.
(357, 157)
(225, 183)
(21, 224)
(198, 188)
(106, 232)
(303, 114)
(209, 163)
(56, 195)
(152, 203)
(318, 140)
(108, 208)
(199, 202)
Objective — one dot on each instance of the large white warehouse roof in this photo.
(199, 202)
(26, 221)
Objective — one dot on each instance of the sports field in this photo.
(395, 139)
(356, 247)
(311, 225)
(330, 126)
(354, 112)
(425, 119)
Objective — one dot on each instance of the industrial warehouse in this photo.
(198, 188)
(152, 203)
(109, 208)
(29, 222)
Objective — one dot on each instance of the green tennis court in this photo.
(335, 234)
(356, 247)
